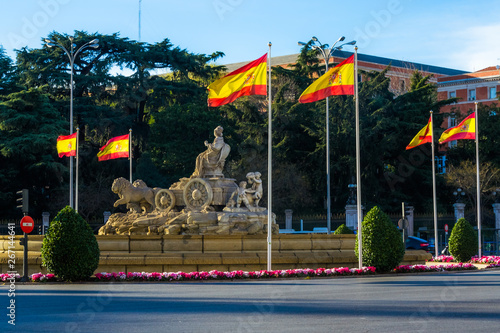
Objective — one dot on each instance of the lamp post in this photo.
(459, 194)
(327, 53)
(71, 53)
(496, 195)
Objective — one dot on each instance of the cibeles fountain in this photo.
(200, 223)
(206, 203)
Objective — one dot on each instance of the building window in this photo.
(492, 92)
(452, 121)
(472, 94)
(453, 144)
(452, 94)
(441, 164)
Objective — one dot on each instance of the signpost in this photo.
(27, 225)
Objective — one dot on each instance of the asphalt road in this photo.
(450, 302)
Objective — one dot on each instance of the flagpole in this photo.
(358, 161)
(269, 169)
(77, 159)
(478, 186)
(434, 200)
(328, 198)
(130, 152)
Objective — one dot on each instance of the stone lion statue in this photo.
(136, 196)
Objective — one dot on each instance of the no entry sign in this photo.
(27, 224)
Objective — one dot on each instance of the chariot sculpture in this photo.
(206, 202)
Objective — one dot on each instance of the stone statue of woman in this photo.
(210, 163)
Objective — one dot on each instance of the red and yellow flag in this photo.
(424, 136)
(338, 80)
(250, 79)
(66, 145)
(465, 130)
(115, 148)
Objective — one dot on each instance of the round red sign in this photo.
(27, 224)
(445, 228)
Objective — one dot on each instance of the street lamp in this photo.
(327, 53)
(352, 194)
(71, 56)
(496, 195)
(459, 195)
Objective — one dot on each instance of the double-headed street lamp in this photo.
(71, 53)
(327, 53)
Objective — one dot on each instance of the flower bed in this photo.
(486, 260)
(442, 258)
(435, 268)
(494, 261)
(263, 274)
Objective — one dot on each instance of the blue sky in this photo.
(457, 34)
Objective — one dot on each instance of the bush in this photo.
(343, 229)
(383, 245)
(70, 249)
(463, 241)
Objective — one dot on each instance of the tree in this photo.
(107, 104)
(464, 176)
(70, 249)
(29, 127)
(463, 241)
(342, 229)
(383, 245)
(7, 74)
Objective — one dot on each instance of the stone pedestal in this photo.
(409, 217)
(106, 216)
(288, 219)
(351, 216)
(496, 210)
(459, 210)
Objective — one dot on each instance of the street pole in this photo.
(71, 56)
(269, 167)
(478, 186)
(358, 162)
(77, 159)
(434, 197)
(327, 53)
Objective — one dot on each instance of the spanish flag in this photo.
(115, 148)
(424, 136)
(465, 130)
(250, 79)
(338, 80)
(66, 145)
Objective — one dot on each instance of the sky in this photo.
(459, 34)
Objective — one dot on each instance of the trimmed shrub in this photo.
(383, 245)
(463, 241)
(70, 249)
(343, 229)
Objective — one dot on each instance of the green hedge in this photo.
(343, 229)
(463, 243)
(383, 246)
(70, 249)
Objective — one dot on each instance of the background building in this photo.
(481, 87)
(399, 73)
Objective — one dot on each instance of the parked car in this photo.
(415, 243)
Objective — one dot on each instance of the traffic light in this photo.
(23, 200)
